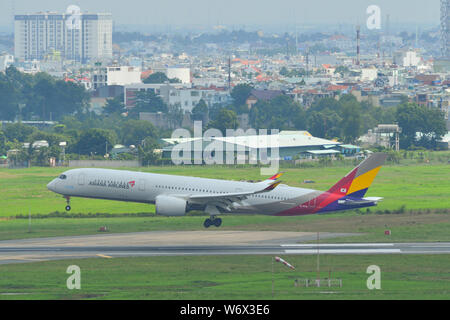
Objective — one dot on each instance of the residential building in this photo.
(5, 61)
(116, 76)
(46, 33)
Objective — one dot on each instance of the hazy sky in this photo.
(235, 12)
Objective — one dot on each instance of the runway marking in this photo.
(104, 256)
(438, 246)
(334, 251)
(21, 259)
(340, 245)
(27, 249)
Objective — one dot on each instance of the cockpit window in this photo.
(63, 176)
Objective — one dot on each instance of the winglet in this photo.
(272, 186)
(277, 176)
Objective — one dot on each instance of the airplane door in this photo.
(81, 179)
(141, 185)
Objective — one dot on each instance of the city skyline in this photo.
(257, 14)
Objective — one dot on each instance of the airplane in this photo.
(177, 195)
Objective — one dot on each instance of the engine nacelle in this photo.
(170, 206)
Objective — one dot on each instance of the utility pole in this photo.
(358, 44)
(307, 62)
(318, 260)
(272, 281)
(229, 73)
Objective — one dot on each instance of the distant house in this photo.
(264, 95)
(100, 96)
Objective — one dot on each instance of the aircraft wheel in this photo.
(217, 222)
(207, 223)
(68, 208)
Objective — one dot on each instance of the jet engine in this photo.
(170, 206)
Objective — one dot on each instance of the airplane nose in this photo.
(51, 185)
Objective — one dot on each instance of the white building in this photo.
(188, 98)
(369, 74)
(184, 74)
(5, 61)
(116, 75)
(39, 35)
(407, 58)
(178, 94)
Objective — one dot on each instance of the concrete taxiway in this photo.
(159, 243)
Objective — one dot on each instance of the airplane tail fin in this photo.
(357, 181)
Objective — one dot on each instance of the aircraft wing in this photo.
(226, 200)
(357, 202)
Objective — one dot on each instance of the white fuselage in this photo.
(145, 187)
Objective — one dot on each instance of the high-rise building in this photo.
(39, 35)
(445, 28)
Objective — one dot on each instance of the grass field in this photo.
(228, 277)
(422, 188)
(419, 186)
(404, 227)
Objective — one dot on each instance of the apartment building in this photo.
(41, 34)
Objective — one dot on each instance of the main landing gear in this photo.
(68, 203)
(213, 221)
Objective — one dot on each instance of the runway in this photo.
(167, 243)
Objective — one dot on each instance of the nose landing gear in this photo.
(68, 203)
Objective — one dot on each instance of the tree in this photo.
(342, 70)
(3, 141)
(160, 77)
(146, 152)
(40, 94)
(18, 131)
(148, 101)
(9, 101)
(95, 141)
(413, 119)
(114, 105)
(135, 131)
(284, 71)
(325, 124)
(240, 93)
(200, 111)
(351, 121)
(282, 112)
(226, 119)
(157, 77)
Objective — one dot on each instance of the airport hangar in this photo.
(292, 145)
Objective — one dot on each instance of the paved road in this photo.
(201, 243)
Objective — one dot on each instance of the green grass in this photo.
(422, 188)
(405, 227)
(419, 186)
(228, 277)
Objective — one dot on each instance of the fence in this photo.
(104, 163)
(318, 283)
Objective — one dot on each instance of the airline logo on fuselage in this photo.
(112, 184)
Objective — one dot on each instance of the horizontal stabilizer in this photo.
(359, 202)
